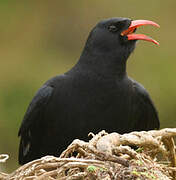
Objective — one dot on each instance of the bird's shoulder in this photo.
(54, 81)
(141, 95)
(143, 101)
(43, 95)
(40, 100)
(139, 89)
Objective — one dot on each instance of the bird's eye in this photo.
(112, 28)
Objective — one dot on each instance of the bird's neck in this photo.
(104, 64)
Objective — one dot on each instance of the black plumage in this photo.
(95, 94)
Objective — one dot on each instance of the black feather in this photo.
(95, 94)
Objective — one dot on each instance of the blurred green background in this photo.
(39, 39)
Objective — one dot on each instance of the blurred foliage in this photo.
(39, 39)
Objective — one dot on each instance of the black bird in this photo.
(95, 94)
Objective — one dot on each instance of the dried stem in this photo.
(107, 156)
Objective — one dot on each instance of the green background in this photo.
(39, 39)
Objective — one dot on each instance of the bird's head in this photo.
(116, 36)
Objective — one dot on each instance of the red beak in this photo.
(135, 24)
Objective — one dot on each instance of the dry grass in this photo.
(106, 157)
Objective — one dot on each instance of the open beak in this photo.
(135, 24)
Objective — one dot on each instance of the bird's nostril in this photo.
(134, 30)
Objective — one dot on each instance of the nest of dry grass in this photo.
(106, 157)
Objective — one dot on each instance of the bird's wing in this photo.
(31, 124)
(144, 109)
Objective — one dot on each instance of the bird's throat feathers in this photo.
(110, 62)
(103, 64)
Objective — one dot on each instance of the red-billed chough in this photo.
(95, 94)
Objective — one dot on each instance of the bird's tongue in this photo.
(135, 24)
